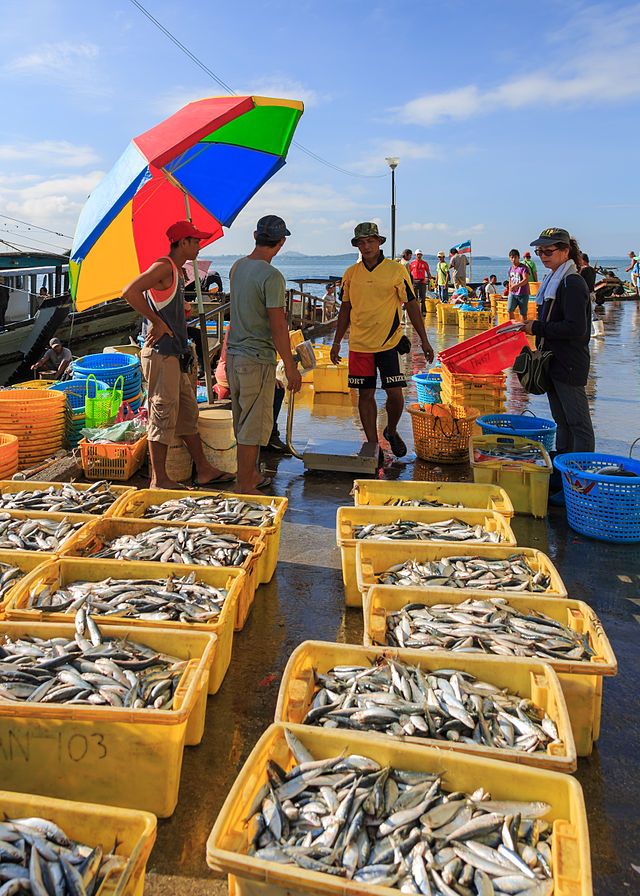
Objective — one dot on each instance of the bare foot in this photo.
(166, 484)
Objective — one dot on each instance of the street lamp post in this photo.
(392, 162)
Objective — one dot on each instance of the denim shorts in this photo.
(520, 303)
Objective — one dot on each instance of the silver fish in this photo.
(35, 535)
(175, 599)
(343, 829)
(177, 544)
(441, 530)
(480, 573)
(418, 502)
(9, 576)
(87, 671)
(62, 498)
(219, 509)
(404, 701)
(485, 626)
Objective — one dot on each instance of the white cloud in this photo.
(50, 202)
(351, 224)
(429, 227)
(597, 62)
(53, 59)
(169, 102)
(375, 160)
(56, 152)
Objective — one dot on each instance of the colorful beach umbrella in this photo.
(205, 163)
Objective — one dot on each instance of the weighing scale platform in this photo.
(342, 456)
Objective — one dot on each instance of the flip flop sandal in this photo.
(397, 445)
(217, 480)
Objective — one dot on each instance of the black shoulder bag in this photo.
(532, 367)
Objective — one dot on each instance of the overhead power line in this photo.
(36, 227)
(32, 239)
(205, 68)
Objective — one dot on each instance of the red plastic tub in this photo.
(486, 353)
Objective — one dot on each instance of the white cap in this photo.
(419, 252)
(440, 253)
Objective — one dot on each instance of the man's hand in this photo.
(157, 330)
(427, 348)
(528, 327)
(334, 354)
(294, 379)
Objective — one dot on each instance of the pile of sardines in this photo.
(178, 545)
(486, 626)
(35, 535)
(447, 704)
(351, 817)
(63, 498)
(410, 530)
(524, 454)
(173, 599)
(418, 502)
(38, 857)
(9, 575)
(87, 670)
(481, 573)
(222, 509)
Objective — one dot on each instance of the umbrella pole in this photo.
(204, 339)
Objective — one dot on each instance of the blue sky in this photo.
(507, 118)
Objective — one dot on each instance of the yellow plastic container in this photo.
(348, 517)
(331, 378)
(534, 681)
(134, 506)
(124, 832)
(228, 842)
(431, 305)
(12, 487)
(474, 320)
(58, 573)
(534, 286)
(374, 557)
(92, 537)
(447, 314)
(27, 561)
(121, 757)
(581, 681)
(35, 384)
(526, 484)
(73, 518)
(378, 493)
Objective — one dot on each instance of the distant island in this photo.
(300, 256)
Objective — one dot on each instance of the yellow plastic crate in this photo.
(73, 518)
(374, 557)
(526, 484)
(581, 681)
(447, 314)
(377, 493)
(12, 487)
(331, 378)
(58, 573)
(27, 561)
(348, 517)
(474, 320)
(134, 506)
(92, 537)
(127, 833)
(118, 756)
(534, 681)
(229, 840)
(431, 305)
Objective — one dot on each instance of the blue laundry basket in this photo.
(537, 428)
(428, 387)
(603, 507)
(75, 391)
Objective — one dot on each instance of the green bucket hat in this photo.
(368, 228)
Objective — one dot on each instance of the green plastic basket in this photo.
(102, 409)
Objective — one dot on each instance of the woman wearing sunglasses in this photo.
(564, 321)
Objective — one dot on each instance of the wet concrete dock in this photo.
(305, 600)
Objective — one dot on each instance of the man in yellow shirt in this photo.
(374, 293)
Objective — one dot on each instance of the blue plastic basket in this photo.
(428, 387)
(111, 363)
(536, 428)
(76, 391)
(606, 508)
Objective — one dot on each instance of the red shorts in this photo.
(363, 367)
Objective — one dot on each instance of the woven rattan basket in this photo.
(441, 432)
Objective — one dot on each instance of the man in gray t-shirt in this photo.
(55, 360)
(258, 329)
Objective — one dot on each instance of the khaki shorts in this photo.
(173, 409)
(252, 384)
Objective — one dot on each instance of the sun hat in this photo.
(367, 228)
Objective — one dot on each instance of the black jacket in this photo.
(567, 331)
